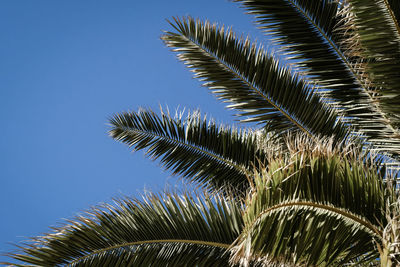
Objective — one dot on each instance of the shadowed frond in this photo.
(306, 234)
(379, 34)
(305, 29)
(322, 171)
(315, 208)
(315, 35)
(252, 81)
(174, 229)
(216, 156)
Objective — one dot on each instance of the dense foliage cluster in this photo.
(313, 185)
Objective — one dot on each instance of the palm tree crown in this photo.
(314, 184)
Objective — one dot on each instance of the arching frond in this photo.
(315, 209)
(219, 157)
(309, 234)
(174, 229)
(322, 172)
(251, 80)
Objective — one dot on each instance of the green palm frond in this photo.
(314, 34)
(315, 208)
(305, 29)
(174, 229)
(307, 233)
(217, 156)
(251, 80)
(379, 34)
(323, 172)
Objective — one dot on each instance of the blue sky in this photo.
(67, 66)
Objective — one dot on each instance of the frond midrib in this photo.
(176, 141)
(336, 210)
(142, 242)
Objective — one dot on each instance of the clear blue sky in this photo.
(67, 66)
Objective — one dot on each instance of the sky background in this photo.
(65, 68)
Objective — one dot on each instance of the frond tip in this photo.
(199, 150)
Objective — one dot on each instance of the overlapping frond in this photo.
(305, 29)
(391, 231)
(322, 171)
(315, 35)
(180, 230)
(379, 34)
(251, 80)
(306, 234)
(315, 209)
(201, 151)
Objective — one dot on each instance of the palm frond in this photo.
(251, 80)
(315, 208)
(313, 34)
(177, 229)
(306, 233)
(305, 29)
(219, 157)
(379, 34)
(323, 172)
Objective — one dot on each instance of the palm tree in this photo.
(312, 184)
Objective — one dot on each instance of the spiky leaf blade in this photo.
(251, 80)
